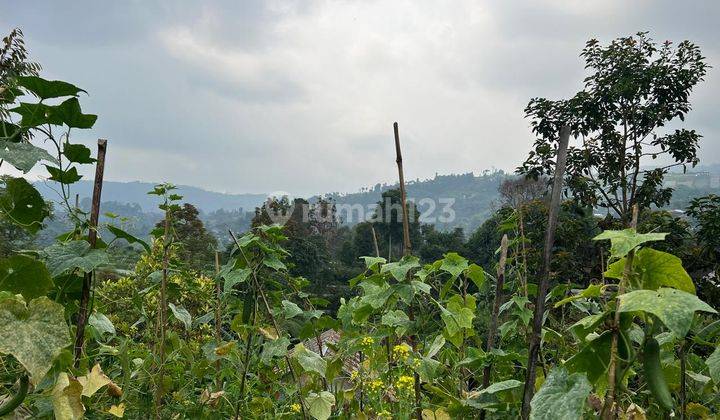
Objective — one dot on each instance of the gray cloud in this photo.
(258, 96)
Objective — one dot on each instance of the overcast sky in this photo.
(260, 96)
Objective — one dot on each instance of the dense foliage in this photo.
(311, 319)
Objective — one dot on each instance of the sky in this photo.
(263, 96)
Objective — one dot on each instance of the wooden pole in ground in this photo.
(492, 329)
(92, 239)
(407, 248)
(375, 242)
(554, 210)
(218, 317)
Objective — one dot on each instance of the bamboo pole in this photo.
(375, 242)
(492, 329)
(92, 239)
(407, 249)
(545, 279)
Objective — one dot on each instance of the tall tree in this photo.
(634, 90)
(197, 244)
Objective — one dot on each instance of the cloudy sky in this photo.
(259, 96)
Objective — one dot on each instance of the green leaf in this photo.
(23, 155)
(623, 241)
(291, 309)
(24, 275)
(77, 153)
(476, 274)
(63, 256)
(70, 114)
(182, 315)
(436, 345)
(400, 269)
(593, 358)
(428, 369)
(673, 307)
(457, 315)
(10, 132)
(119, 233)
(320, 405)
(274, 348)
(309, 360)
(66, 177)
(594, 290)
(34, 334)
(371, 262)
(272, 261)
(587, 325)
(562, 396)
(34, 115)
(23, 204)
(234, 277)
(375, 295)
(454, 264)
(501, 386)
(713, 364)
(46, 89)
(101, 323)
(396, 319)
(653, 269)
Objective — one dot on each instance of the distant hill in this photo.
(136, 193)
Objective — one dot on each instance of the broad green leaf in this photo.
(435, 347)
(35, 334)
(454, 264)
(182, 315)
(23, 155)
(34, 115)
(10, 132)
(272, 261)
(101, 323)
(66, 177)
(70, 114)
(77, 153)
(274, 348)
(63, 256)
(396, 319)
(291, 309)
(713, 364)
(93, 381)
(673, 307)
(587, 325)
(119, 233)
(23, 205)
(623, 241)
(457, 315)
(24, 275)
(653, 269)
(400, 269)
(593, 358)
(428, 369)
(594, 290)
(234, 277)
(371, 262)
(501, 386)
(320, 405)
(67, 398)
(375, 295)
(309, 360)
(562, 396)
(476, 274)
(46, 89)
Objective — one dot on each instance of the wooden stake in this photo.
(492, 329)
(554, 210)
(407, 248)
(92, 239)
(218, 317)
(375, 242)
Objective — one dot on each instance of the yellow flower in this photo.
(367, 341)
(405, 383)
(416, 363)
(295, 407)
(354, 375)
(384, 415)
(375, 385)
(401, 351)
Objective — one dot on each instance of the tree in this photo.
(635, 88)
(388, 222)
(706, 212)
(197, 245)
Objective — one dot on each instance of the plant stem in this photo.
(608, 411)
(162, 312)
